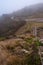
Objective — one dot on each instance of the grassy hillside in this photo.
(29, 26)
(19, 52)
(18, 45)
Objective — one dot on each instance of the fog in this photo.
(8, 6)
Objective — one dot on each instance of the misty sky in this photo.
(8, 6)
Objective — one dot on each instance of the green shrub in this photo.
(29, 40)
(2, 38)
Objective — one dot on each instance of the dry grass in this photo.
(10, 53)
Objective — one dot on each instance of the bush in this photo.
(29, 40)
(2, 38)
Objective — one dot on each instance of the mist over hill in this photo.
(9, 23)
(33, 10)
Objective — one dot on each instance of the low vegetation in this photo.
(20, 52)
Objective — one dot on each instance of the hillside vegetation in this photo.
(19, 51)
(18, 45)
